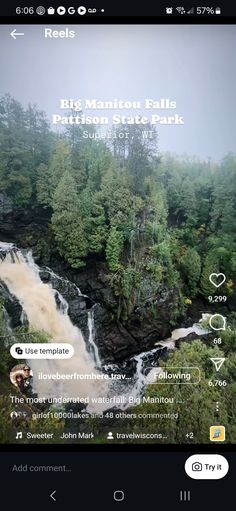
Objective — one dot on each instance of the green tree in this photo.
(224, 197)
(210, 265)
(49, 177)
(67, 223)
(114, 249)
(25, 143)
(190, 266)
(118, 200)
(136, 152)
(15, 161)
(96, 227)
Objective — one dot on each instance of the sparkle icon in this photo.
(218, 362)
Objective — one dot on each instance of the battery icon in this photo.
(218, 10)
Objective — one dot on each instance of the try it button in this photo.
(206, 466)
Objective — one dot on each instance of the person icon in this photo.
(27, 375)
(110, 436)
(14, 415)
(19, 380)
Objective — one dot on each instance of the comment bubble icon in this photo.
(217, 322)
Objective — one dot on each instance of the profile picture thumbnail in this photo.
(21, 376)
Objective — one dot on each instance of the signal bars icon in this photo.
(191, 11)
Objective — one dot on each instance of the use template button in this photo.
(49, 350)
(206, 466)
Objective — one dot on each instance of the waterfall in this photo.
(141, 377)
(180, 333)
(91, 337)
(64, 307)
(66, 281)
(22, 277)
(39, 302)
(23, 318)
(6, 247)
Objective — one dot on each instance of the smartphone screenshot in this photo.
(118, 255)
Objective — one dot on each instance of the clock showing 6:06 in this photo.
(25, 10)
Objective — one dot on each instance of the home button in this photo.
(119, 495)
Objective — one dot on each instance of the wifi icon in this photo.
(180, 10)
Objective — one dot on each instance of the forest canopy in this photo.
(158, 221)
(159, 224)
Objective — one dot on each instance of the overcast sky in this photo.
(193, 65)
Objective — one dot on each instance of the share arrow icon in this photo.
(218, 362)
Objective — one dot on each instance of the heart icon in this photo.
(217, 279)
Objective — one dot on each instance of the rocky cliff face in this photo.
(12, 306)
(115, 340)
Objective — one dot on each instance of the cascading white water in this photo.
(64, 307)
(22, 277)
(180, 333)
(91, 330)
(66, 281)
(6, 247)
(141, 377)
(23, 317)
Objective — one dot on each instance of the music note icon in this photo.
(18, 435)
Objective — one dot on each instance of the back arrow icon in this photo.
(52, 495)
(14, 33)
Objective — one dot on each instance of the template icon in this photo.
(218, 362)
(217, 433)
